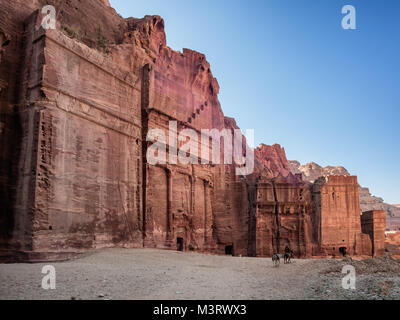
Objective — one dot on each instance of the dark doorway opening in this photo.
(343, 251)
(179, 244)
(229, 250)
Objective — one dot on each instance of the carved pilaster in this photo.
(169, 205)
(205, 211)
(192, 181)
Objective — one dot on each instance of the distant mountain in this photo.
(311, 171)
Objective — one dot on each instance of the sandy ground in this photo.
(156, 274)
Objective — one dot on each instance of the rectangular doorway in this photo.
(179, 244)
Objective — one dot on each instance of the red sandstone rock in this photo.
(392, 243)
(106, 3)
(373, 223)
(338, 214)
(76, 175)
(312, 171)
(273, 159)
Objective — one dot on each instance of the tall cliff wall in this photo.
(26, 129)
(83, 112)
(77, 106)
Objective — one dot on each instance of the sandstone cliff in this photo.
(100, 83)
(78, 105)
(272, 160)
(311, 171)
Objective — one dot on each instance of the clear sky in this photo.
(289, 71)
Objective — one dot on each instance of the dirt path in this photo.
(158, 274)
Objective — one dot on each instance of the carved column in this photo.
(169, 205)
(300, 238)
(148, 225)
(205, 211)
(192, 194)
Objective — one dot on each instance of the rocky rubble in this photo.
(376, 279)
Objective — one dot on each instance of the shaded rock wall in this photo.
(83, 138)
(20, 70)
(338, 214)
(373, 223)
(284, 216)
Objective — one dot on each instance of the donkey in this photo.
(287, 256)
(276, 260)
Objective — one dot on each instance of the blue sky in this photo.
(289, 71)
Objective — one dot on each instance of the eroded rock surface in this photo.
(312, 171)
(75, 174)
